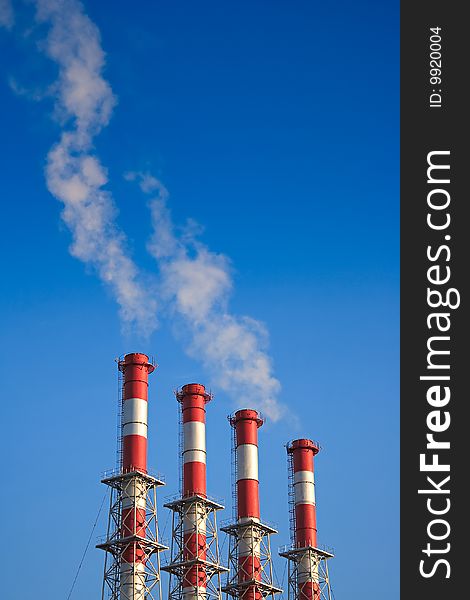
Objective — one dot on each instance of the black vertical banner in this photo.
(435, 249)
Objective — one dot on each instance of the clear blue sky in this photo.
(274, 125)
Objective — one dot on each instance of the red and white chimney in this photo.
(193, 399)
(305, 533)
(136, 369)
(246, 423)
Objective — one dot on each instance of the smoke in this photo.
(84, 103)
(6, 14)
(197, 284)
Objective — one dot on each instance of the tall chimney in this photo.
(308, 576)
(249, 558)
(132, 564)
(136, 369)
(246, 423)
(303, 452)
(193, 399)
(305, 534)
(194, 565)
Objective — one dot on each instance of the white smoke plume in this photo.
(7, 18)
(197, 283)
(84, 102)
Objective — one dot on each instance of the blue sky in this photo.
(275, 127)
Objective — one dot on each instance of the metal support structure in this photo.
(233, 473)
(119, 418)
(307, 564)
(135, 488)
(254, 536)
(194, 518)
(180, 447)
(291, 496)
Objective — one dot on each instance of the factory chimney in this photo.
(132, 566)
(308, 568)
(251, 575)
(194, 565)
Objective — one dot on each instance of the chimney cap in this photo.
(246, 414)
(303, 444)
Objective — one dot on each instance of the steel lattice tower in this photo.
(308, 577)
(250, 566)
(132, 564)
(194, 565)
